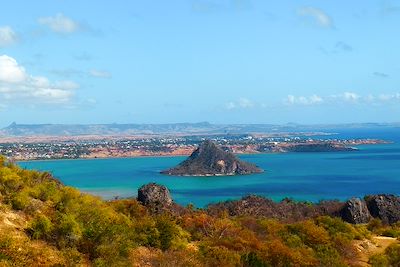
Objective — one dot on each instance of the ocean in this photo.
(301, 176)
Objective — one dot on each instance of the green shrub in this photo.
(40, 227)
(20, 200)
(10, 181)
(329, 256)
(336, 226)
(391, 232)
(68, 230)
(167, 230)
(379, 260)
(251, 259)
(393, 254)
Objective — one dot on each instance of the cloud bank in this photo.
(17, 86)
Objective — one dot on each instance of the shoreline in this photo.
(352, 149)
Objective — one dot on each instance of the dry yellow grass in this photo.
(366, 248)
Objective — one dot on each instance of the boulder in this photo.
(355, 211)
(154, 194)
(384, 207)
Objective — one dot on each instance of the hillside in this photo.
(44, 223)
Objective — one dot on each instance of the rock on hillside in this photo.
(384, 207)
(211, 160)
(355, 211)
(154, 194)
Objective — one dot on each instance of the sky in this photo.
(221, 61)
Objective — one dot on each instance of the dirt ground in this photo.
(366, 248)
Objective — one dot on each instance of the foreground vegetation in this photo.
(45, 223)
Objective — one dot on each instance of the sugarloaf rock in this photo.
(209, 159)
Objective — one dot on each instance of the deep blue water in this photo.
(302, 176)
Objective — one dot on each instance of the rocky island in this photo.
(209, 159)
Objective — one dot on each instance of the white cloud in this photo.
(344, 98)
(389, 97)
(319, 16)
(350, 97)
(16, 85)
(303, 100)
(243, 103)
(369, 98)
(66, 85)
(100, 74)
(7, 36)
(10, 71)
(60, 23)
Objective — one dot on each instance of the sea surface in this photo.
(301, 176)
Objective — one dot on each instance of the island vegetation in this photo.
(44, 223)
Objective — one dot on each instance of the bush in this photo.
(312, 235)
(170, 234)
(219, 256)
(251, 259)
(20, 201)
(10, 182)
(329, 257)
(41, 227)
(336, 226)
(46, 191)
(393, 254)
(391, 232)
(378, 260)
(68, 230)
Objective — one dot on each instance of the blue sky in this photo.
(225, 61)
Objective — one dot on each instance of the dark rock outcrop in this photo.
(154, 194)
(211, 160)
(287, 210)
(384, 207)
(355, 211)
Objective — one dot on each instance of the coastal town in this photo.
(46, 148)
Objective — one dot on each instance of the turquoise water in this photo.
(302, 176)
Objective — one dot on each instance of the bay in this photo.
(301, 176)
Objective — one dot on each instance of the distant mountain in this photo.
(103, 129)
(210, 160)
(15, 129)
